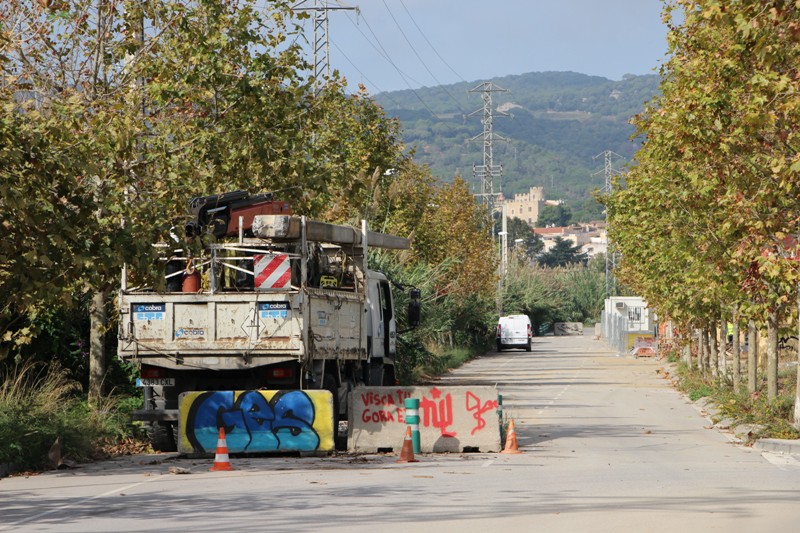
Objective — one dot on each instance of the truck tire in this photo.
(376, 373)
(162, 436)
(389, 379)
(339, 441)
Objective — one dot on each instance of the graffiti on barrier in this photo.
(452, 418)
(438, 409)
(258, 421)
(474, 404)
(437, 412)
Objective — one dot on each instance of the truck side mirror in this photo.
(414, 308)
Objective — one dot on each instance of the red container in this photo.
(191, 281)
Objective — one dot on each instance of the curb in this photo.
(778, 445)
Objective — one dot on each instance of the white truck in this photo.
(288, 303)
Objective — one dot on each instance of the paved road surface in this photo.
(608, 446)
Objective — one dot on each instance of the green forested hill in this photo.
(561, 120)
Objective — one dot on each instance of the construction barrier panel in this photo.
(256, 421)
(451, 419)
(645, 346)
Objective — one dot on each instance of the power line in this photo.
(383, 53)
(458, 104)
(429, 43)
(362, 74)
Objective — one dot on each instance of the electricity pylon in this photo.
(611, 254)
(488, 170)
(322, 43)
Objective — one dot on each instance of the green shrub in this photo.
(774, 417)
(37, 405)
(40, 403)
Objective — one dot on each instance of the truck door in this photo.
(387, 317)
(382, 331)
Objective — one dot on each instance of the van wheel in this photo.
(529, 346)
(499, 346)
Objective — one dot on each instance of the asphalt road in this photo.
(607, 445)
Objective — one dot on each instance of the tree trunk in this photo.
(723, 349)
(797, 384)
(752, 357)
(737, 351)
(772, 355)
(687, 351)
(703, 355)
(713, 349)
(97, 346)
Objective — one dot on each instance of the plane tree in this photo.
(115, 112)
(711, 199)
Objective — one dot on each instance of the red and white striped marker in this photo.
(272, 271)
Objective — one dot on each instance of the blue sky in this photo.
(474, 40)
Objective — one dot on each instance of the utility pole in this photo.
(322, 44)
(488, 170)
(611, 255)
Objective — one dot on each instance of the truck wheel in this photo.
(339, 441)
(376, 374)
(389, 379)
(162, 437)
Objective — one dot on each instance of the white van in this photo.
(514, 331)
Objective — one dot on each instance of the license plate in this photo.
(155, 382)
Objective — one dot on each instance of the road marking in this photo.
(488, 462)
(78, 502)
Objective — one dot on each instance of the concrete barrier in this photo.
(568, 328)
(452, 419)
(256, 421)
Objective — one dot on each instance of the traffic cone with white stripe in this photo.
(511, 439)
(407, 453)
(221, 461)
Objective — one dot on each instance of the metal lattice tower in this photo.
(611, 254)
(488, 170)
(322, 43)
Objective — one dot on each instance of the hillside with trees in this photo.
(559, 122)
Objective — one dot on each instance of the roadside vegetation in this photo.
(750, 416)
(46, 422)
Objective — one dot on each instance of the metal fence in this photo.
(615, 331)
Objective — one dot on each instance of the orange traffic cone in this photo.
(407, 453)
(221, 461)
(511, 439)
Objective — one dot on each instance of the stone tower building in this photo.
(526, 206)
